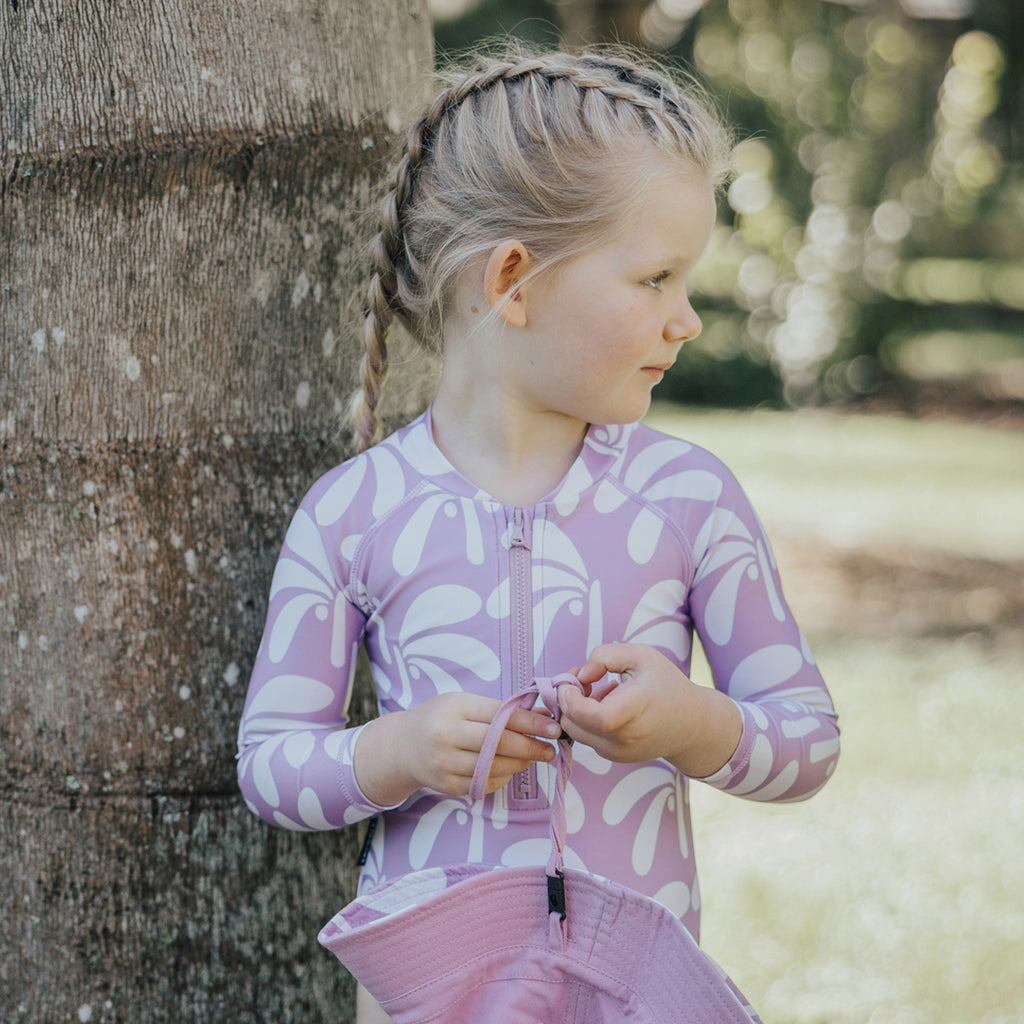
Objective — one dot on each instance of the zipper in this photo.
(523, 787)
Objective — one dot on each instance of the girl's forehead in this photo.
(644, 162)
(665, 206)
(653, 173)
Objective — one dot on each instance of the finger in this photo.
(620, 658)
(525, 748)
(496, 782)
(456, 772)
(481, 711)
(593, 671)
(532, 723)
(473, 707)
(529, 733)
(470, 736)
(602, 690)
(577, 710)
(592, 714)
(506, 767)
(585, 684)
(501, 767)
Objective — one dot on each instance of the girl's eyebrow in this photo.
(673, 251)
(672, 262)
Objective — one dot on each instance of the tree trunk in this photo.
(180, 192)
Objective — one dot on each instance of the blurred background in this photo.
(870, 242)
(861, 369)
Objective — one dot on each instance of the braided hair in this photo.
(530, 145)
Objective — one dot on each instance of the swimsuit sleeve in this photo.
(759, 657)
(295, 754)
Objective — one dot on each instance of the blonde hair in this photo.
(525, 145)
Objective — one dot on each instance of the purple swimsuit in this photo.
(646, 539)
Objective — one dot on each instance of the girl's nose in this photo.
(683, 325)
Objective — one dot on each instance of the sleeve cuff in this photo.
(737, 764)
(358, 805)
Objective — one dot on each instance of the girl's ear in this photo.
(506, 267)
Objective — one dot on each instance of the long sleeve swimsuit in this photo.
(646, 539)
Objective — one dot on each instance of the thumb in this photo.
(570, 699)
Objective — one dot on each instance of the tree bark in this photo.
(181, 186)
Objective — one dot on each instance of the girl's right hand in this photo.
(435, 745)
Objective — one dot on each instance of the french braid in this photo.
(522, 144)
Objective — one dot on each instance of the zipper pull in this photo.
(519, 538)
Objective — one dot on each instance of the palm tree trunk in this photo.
(180, 189)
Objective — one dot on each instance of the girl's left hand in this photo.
(655, 712)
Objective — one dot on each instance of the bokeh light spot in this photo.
(979, 53)
(891, 221)
(750, 193)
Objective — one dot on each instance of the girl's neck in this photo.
(515, 456)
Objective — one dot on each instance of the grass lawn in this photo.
(896, 895)
(857, 480)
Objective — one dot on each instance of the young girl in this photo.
(539, 233)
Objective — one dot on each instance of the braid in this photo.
(373, 366)
(583, 72)
(525, 144)
(381, 300)
(389, 261)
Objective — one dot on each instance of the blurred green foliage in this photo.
(871, 235)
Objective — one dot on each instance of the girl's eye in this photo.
(655, 280)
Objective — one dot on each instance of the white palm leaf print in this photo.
(448, 815)
(436, 607)
(303, 539)
(747, 557)
(765, 669)
(535, 852)
(312, 579)
(655, 620)
(576, 481)
(287, 697)
(335, 501)
(611, 440)
(698, 484)
(412, 541)
(676, 897)
(418, 447)
(651, 459)
(664, 787)
(561, 576)
(589, 759)
(644, 533)
(388, 486)
(425, 644)
(389, 478)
